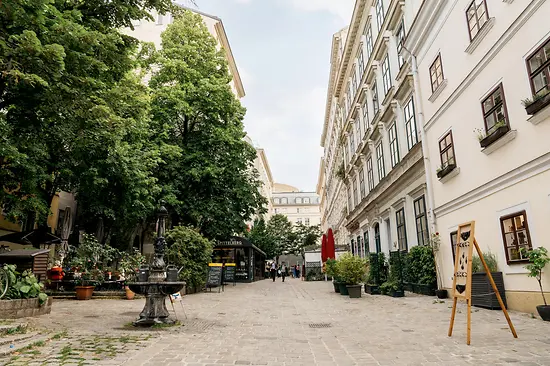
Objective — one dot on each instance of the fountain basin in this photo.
(161, 287)
(155, 311)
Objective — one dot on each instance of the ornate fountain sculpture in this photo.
(156, 288)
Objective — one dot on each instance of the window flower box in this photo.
(494, 136)
(443, 171)
(532, 107)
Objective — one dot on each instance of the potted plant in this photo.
(330, 267)
(482, 290)
(394, 284)
(420, 270)
(535, 104)
(499, 129)
(352, 270)
(129, 266)
(86, 282)
(538, 259)
(435, 243)
(445, 169)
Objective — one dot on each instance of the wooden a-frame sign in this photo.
(462, 279)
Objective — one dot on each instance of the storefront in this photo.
(249, 260)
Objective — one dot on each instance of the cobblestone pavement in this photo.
(291, 323)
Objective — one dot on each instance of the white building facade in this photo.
(298, 207)
(374, 168)
(489, 155)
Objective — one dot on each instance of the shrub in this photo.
(330, 267)
(420, 266)
(377, 269)
(23, 285)
(490, 259)
(91, 254)
(190, 250)
(351, 269)
(538, 259)
(130, 263)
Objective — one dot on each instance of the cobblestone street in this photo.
(291, 323)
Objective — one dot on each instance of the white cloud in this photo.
(341, 8)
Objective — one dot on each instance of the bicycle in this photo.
(4, 282)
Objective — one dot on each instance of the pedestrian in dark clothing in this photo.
(283, 272)
(273, 271)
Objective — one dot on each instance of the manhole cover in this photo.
(407, 330)
(320, 325)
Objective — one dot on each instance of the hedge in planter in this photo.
(377, 273)
(351, 270)
(394, 285)
(482, 292)
(330, 268)
(420, 272)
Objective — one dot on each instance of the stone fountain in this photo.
(156, 287)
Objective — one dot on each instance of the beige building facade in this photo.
(489, 155)
(299, 207)
(376, 193)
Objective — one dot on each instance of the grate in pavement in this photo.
(197, 325)
(320, 325)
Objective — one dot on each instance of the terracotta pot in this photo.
(84, 292)
(130, 294)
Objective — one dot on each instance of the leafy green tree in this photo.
(211, 183)
(305, 238)
(262, 238)
(192, 252)
(281, 230)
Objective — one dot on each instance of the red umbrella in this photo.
(330, 245)
(324, 248)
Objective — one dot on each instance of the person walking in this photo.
(283, 272)
(273, 271)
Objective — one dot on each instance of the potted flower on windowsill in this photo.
(535, 104)
(497, 131)
(445, 169)
(352, 271)
(538, 259)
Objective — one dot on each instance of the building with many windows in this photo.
(478, 60)
(299, 207)
(374, 180)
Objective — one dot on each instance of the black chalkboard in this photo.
(214, 276)
(229, 274)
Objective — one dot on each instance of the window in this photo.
(421, 221)
(298, 210)
(299, 220)
(366, 241)
(379, 13)
(494, 110)
(368, 36)
(454, 236)
(447, 150)
(538, 66)
(380, 161)
(362, 182)
(386, 75)
(354, 184)
(436, 73)
(394, 145)
(298, 200)
(370, 174)
(377, 238)
(284, 201)
(306, 220)
(401, 230)
(276, 201)
(515, 232)
(358, 135)
(375, 104)
(352, 247)
(307, 200)
(477, 16)
(366, 115)
(350, 201)
(399, 36)
(351, 143)
(359, 246)
(350, 95)
(361, 61)
(410, 124)
(276, 210)
(354, 79)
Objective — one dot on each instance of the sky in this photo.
(282, 50)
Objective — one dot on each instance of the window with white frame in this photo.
(354, 79)
(386, 75)
(362, 182)
(394, 145)
(375, 102)
(306, 221)
(361, 61)
(276, 201)
(284, 201)
(379, 13)
(399, 36)
(370, 174)
(380, 161)
(410, 124)
(369, 42)
(298, 200)
(299, 220)
(351, 142)
(366, 115)
(307, 200)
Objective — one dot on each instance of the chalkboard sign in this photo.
(214, 275)
(229, 273)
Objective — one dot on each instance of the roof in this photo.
(238, 242)
(23, 253)
(280, 187)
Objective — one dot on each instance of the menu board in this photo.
(214, 275)
(229, 273)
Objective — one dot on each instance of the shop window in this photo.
(515, 232)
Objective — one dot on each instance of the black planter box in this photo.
(481, 287)
(408, 286)
(495, 135)
(427, 290)
(372, 289)
(537, 105)
(443, 172)
(398, 293)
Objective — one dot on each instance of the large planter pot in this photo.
(537, 105)
(336, 287)
(427, 290)
(544, 312)
(354, 291)
(343, 289)
(441, 293)
(372, 289)
(84, 292)
(482, 291)
(495, 135)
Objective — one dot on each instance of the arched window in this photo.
(377, 238)
(284, 201)
(306, 200)
(276, 201)
(298, 200)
